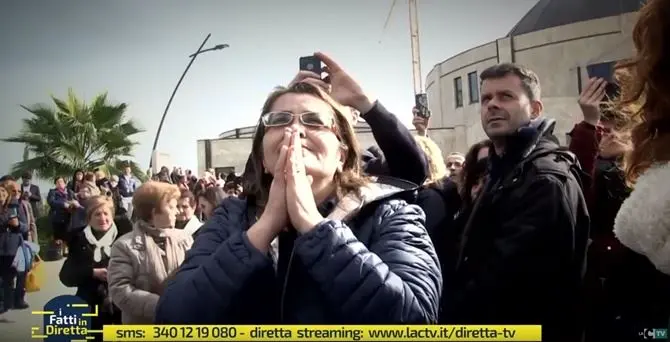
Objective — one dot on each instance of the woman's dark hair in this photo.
(348, 180)
(473, 170)
(645, 85)
(213, 195)
(57, 178)
(187, 194)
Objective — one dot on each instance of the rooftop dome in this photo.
(552, 13)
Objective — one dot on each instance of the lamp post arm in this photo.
(160, 125)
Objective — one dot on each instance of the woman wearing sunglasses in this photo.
(315, 242)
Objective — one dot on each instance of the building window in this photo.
(473, 86)
(458, 92)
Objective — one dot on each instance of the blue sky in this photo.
(136, 51)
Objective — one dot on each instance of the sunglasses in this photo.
(310, 119)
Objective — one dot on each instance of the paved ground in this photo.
(15, 325)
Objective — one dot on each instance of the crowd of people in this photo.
(517, 230)
(79, 209)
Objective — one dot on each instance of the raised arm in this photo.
(404, 158)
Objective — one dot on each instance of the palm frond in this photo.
(74, 135)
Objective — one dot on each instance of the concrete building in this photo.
(230, 151)
(563, 41)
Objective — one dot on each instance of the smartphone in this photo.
(421, 104)
(311, 63)
(606, 72)
(13, 213)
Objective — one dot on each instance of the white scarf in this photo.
(192, 225)
(102, 245)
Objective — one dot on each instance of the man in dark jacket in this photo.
(522, 251)
(32, 193)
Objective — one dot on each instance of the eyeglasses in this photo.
(311, 119)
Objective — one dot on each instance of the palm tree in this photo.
(75, 136)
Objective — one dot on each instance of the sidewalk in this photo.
(15, 325)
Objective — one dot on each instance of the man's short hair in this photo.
(6, 178)
(529, 79)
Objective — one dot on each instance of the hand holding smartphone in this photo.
(421, 104)
(311, 63)
(13, 213)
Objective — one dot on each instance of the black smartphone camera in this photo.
(421, 104)
(311, 63)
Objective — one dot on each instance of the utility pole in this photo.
(416, 54)
(414, 39)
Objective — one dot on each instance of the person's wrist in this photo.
(591, 115)
(363, 103)
(270, 225)
(306, 225)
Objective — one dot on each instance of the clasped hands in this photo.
(291, 199)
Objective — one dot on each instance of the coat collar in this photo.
(375, 191)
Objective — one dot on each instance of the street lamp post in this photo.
(193, 56)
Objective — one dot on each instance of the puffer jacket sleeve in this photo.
(218, 266)
(396, 279)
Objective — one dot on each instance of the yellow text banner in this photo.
(322, 333)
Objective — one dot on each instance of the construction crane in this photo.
(414, 38)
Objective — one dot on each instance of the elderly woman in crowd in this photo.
(14, 229)
(142, 259)
(186, 218)
(314, 242)
(86, 265)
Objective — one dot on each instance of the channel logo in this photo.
(655, 334)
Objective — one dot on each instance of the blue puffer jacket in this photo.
(377, 267)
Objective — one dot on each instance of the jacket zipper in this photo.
(285, 286)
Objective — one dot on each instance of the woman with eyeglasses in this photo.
(315, 242)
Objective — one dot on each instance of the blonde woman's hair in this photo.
(92, 188)
(96, 202)
(152, 196)
(437, 169)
